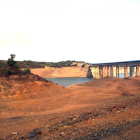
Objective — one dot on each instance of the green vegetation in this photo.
(11, 63)
(83, 65)
(64, 63)
(12, 68)
(8, 72)
(26, 71)
(59, 64)
(12, 56)
(3, 64)
(33, 64)
(23, 64)
(74, 65)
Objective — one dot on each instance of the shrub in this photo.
(83, 65)
(11, 63)
(8, 72)
(26, 71)
(17, 66)
(74, 65)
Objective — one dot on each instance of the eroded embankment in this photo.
(30, 86)
(72, 71)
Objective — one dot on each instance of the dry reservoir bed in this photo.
(107, 108)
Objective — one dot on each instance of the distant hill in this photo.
(35, 64)
(24, 64)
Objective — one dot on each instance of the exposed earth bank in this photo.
(107, 109)
(50, 72)
(27, 86)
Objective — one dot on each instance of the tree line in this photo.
(34, 64)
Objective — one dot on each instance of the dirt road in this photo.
(101, 109)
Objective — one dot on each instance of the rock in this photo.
(14, 133)
(127, 94)
(89, 73)
(34, 133)
(36, 78)
(115, 108)
(31, 135)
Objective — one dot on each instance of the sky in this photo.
(94, 31)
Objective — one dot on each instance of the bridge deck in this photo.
(129, 63)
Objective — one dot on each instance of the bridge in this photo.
(102, 70)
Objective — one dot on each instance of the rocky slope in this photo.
(27, 86)
(107, 109)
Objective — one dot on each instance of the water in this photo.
(121, 75)
(69, 81)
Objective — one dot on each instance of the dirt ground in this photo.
(106, 109)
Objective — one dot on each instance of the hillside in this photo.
(16, 87)
(24, 64)
(34, 108)
(101, 109)
(36, 64)
(72, 71)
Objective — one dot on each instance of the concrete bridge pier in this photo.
(105, 71)
(137, 70)
(94, 72)
(97, 72)
(100, 72)
(111, 71)
(117, 71)
(132, 71)
(108, 71)
(125, 71)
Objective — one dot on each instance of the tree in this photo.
(12, 56)
(11, 63)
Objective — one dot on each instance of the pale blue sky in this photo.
(94, 31)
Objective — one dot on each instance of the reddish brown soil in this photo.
(107, 108)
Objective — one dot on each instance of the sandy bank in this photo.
(74, 71)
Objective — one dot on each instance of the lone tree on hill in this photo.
(12, 56)
(11, 63)
(13, 68)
